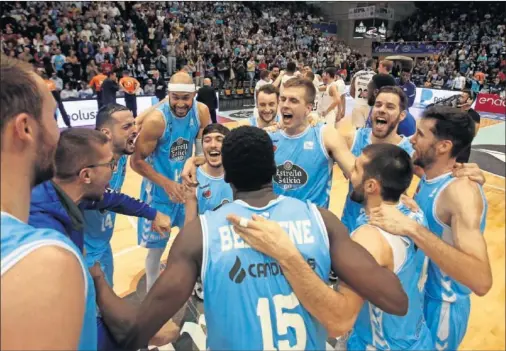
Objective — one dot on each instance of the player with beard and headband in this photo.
(382, 173)
(212, 191)
(84, 163)
(166, 142)
(44, 276)
(254, 300)
(456, 210)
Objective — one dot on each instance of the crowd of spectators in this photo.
(476, 54)
(230, 42)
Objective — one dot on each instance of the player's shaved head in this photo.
(181, 78)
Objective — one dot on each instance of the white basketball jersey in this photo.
(326, 99)
(362, 79)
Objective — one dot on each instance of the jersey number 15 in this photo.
(284, 321)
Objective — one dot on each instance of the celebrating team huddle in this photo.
(256, 237)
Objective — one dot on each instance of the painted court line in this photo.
(131, 248)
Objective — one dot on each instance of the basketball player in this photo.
(285, 76)
(166, 142)
(212, 190)
(382, 173)
(118, 124)
(464, 102)
(40, 310)
(408, 126)
(266, 106)
(377, 82)
(358, 91)
(251, 281)
(131, 87)
(388, 111)
(455, 209)
(385, 67)
(330, 105)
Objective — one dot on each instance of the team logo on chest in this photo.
(179, 149)
(290, 176)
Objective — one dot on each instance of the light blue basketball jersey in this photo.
(20, 239)
(303, 166)
(254, 122)
(173, 149)
(211, 191)
(99, 227)
(439, 285)
(375, 329)
(352, 210)
(249, 304)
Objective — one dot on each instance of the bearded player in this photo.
(165, 143)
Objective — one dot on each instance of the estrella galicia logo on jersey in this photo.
(237, 273)
(290, 176)
(179, 149)
(207, 194)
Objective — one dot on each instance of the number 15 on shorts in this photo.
(284, 320)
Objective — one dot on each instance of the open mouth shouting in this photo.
(287, 117)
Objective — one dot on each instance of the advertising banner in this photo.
(370, 29)
(84, 112)
(491, 103)
(426, 97)
(408, 48)
(361, 12)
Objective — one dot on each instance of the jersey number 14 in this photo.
(284, 321)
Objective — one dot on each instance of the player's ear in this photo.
(402, 115)
(85, 175)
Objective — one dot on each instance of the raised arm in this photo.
(338, 149)
(133, 327)
(43, 301)
(467, 261)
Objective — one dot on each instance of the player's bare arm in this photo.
(460, 207)
(153, 127)
(43, 304)
(133, 327)
(352, 87)
(338, 149)
(337, 311)
(336, 100)
(204, 117)
(190, 205)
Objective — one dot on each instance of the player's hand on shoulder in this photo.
(313, 119)
(469, 170)
(410, 203)
(174, 190)
(161, 224)
(263, 235)
(272, 128)
(391, 220)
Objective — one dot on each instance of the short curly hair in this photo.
(248, 158)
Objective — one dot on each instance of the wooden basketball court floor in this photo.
(486, 330)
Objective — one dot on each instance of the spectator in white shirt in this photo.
(149, 88)
(68, 93)
(460, 82)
